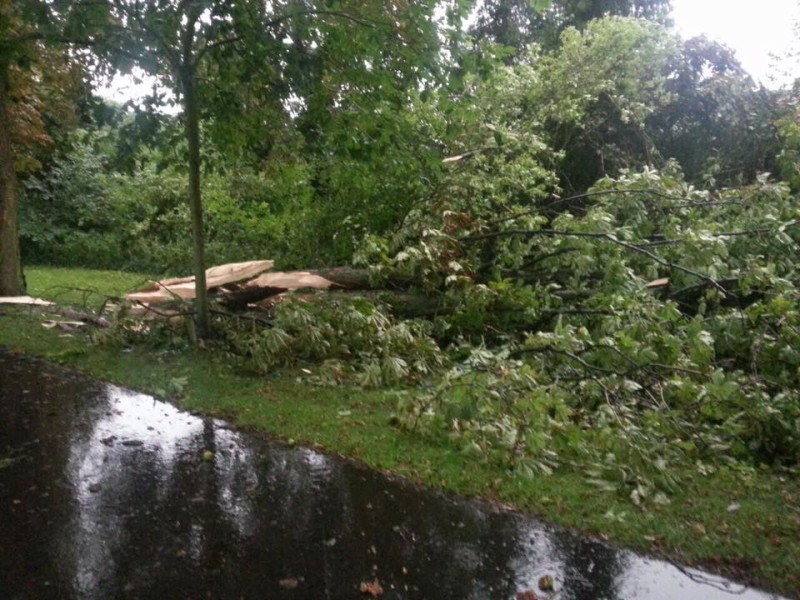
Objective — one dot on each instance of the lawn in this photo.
(82, 288)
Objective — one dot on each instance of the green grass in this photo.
(742, 524)
(83, 288)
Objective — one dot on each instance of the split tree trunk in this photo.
(342, 278)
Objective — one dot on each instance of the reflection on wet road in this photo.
(105, 493)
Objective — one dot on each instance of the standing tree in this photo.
(39, 83)
(170, 40)
(16, 48)
(11, 282)
(241, 61)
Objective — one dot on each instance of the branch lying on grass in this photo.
(97, 321)
(93, 316)
(57, 291)
(190, 313)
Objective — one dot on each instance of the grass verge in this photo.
(744, 524)
(81, 288)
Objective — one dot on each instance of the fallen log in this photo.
(347, 277)
(238, 285)
(238, 300)
(404, 305)
(86, 317)
(184, 287)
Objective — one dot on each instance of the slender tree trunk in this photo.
(192, 116)
(11, 281)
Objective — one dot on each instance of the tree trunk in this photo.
(11, 281)
(342, 278)
(192, 116)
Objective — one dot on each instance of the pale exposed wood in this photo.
(183, 287)
(291, 280)
(658, 283)
(233, 272)
(63, 325)
(241, 285)
(183, 291)
(27, 300)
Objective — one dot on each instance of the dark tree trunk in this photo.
(192, 116)
(11, 281)
(343, 279)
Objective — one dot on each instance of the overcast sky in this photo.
(753, 29)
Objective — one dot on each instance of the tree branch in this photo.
(647, 191)
(215, 44)
(314, 12)
(597, 235)
(590, 367)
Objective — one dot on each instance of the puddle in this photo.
(106, 493)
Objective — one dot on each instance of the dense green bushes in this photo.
(79, 214)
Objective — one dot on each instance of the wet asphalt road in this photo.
(107, 493)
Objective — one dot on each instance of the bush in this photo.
(76, 214)
(350, 339)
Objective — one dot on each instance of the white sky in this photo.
(122, 88)
(754, 29)
(760, 33)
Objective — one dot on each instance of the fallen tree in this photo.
(245, 286)
(658, 319)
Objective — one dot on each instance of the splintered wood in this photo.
(234, 284)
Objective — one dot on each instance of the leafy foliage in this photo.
(788, 125)
(699, 369)
(626, 93)
(77, 214)
(347, 337)
(518, 23)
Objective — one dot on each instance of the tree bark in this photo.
(342, 278)
(406, 305)
(192, 116)
(11, 280)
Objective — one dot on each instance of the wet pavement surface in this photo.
(107, 493)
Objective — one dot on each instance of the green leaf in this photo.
(539, 5)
